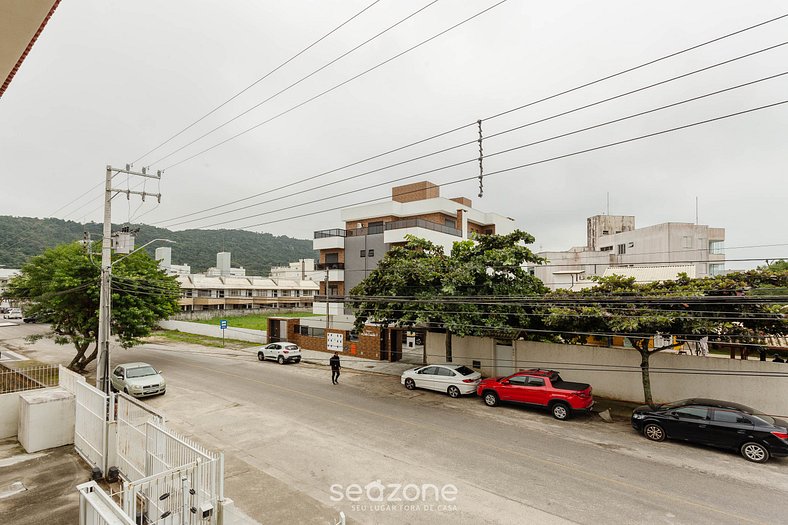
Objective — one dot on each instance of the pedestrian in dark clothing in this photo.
(335, 367)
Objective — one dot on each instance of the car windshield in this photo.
(141, 371)
(464, 370)
(291, 347)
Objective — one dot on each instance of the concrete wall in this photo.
(46, 419)
(9, 414)
(615, 372)
(243, 334)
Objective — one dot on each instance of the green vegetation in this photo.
(204, 340)
(62, 286)
(256, 252)
(253, 322)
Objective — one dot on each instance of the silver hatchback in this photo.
(138, 380)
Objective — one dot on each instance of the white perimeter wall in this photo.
(9, 414)
(615, 372)
(243, 334)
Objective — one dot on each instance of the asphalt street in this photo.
(296, 446)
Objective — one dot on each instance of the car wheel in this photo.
(410, 384)
(654, 432)
(280, 360)
(260, 356)
(754, 452)
(490, 399)
(453, 391)
(560, 411)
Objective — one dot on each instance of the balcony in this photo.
(330, 266)
(421, 223)
(439, 234)
(329, 239)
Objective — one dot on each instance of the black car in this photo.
(721, 424)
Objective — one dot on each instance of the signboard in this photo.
(335, 342)
(223, 324)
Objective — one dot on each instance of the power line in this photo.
(555, 95)
(474, 159)
(290, 86)
(247, 88)
(337, 86)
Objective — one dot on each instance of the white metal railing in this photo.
(97, 508)
(91, 424)
(132, 417)
(23, 378)
(68, 379)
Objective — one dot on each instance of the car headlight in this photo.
(638, 416)
(136, 388)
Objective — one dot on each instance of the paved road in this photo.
(294, 442)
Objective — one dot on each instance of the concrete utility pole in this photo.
(105, 306)
(328, 304)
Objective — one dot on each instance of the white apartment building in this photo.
(350, 253)
(164, 256)
(613, 242)
(302, 270)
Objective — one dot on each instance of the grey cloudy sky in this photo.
(109, 80)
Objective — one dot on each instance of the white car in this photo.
(138, 380)
(281, 352)
(14, 313)
(455, 380)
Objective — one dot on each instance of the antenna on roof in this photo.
(608, 204)
(696, 210)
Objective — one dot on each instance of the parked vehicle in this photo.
(14, 313)
(138, 380)
(540, 388)
(715, 423)
(31, 319)
(280, 352)
(455, 380)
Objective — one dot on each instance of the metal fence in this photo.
(22, 378)
(96, 507)
(90, 425)
(68, 379)
(132, 417)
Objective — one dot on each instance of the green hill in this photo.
(24, 237)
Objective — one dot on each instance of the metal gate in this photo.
(91, 421)
(132, 418)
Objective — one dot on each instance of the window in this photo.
(535, 381)
(220, 294)
(464, 370)
(605, 232)
(375, 227)
(518, 380)
(333, 290)
(686, 242)
(716, 247)
(430, 370)
(693, 412)
(488, 231)
(621, 249)
(445, 372)
(606, 249)
(729, 416)
(370, 253)
(451, 223)
(363, 253)
(630, 245)
(716, 269)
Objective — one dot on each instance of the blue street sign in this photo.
(223, 324)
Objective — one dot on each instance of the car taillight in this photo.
(581, 394)
(285, 351)
(780, 435)
(468, 380)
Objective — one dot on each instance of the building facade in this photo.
(613, 241)
(350, 253)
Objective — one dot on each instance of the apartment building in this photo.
(302, 270)
(615, 245)
(348, 254)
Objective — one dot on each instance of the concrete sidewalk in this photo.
(355, 363)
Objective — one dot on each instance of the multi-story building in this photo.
(350, 253)
(612, 242)
(303, 270)
(164, 256)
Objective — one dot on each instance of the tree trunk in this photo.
(641, 345)
(81, 348)
(448, 345)
(85, 361)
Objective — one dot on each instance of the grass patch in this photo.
(204, 340)
(254, 321)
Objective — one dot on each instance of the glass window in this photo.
(332, 258)
(535, 381)
(716, 247)
(442, 371)
(729, 416)
(518, 380)
(464, 370)
(430, 370)
(693, 412)
(686, 242)
(606, 249)
(370, 253)
(363, 253)
(716, 269)
(621, 249)
(140, 372)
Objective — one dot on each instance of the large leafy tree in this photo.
(418, 284)
(62, 286)
(743, 307)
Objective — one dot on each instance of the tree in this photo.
(62, 286)
(419, 284)
(722, 308)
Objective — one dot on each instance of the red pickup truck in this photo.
(543, 388)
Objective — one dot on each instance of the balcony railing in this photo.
(421, 223)
(330, 266)
(336, 232)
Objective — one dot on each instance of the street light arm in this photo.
(141, 247)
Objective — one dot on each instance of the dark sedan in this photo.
(720, 424)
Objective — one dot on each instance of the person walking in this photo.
(335, 367)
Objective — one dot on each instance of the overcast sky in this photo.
(108, 80)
